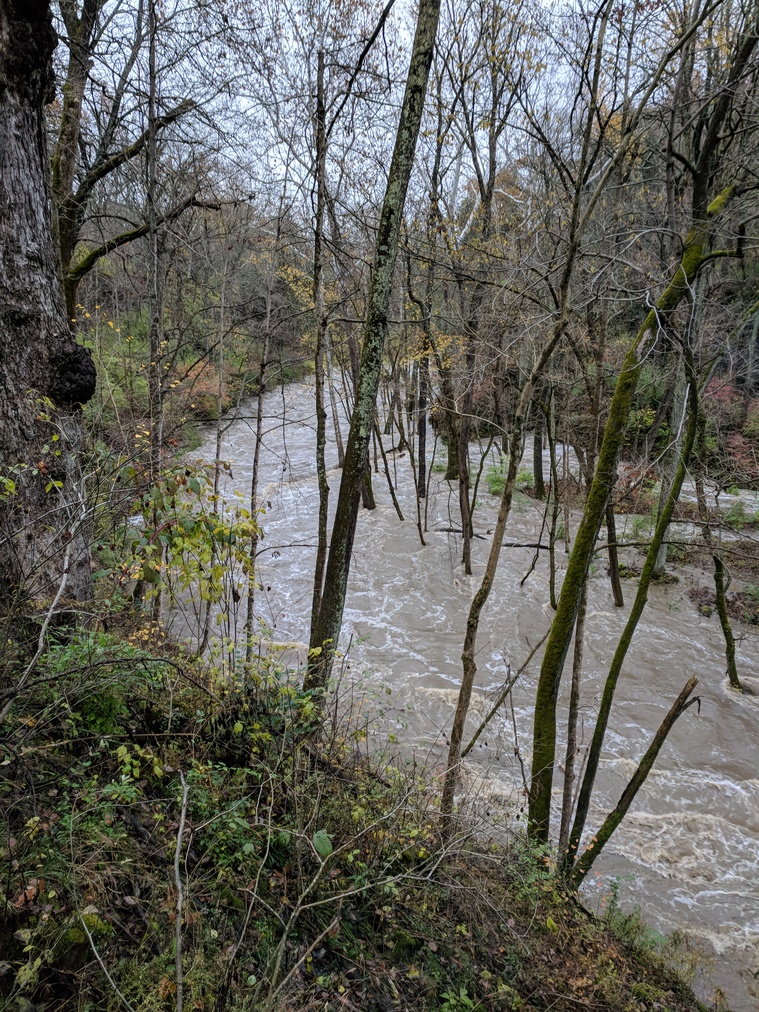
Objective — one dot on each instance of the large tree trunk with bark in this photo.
(44, 375)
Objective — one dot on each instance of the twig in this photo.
(329, 930)
(41, 642)
(104, 968)
(180, 894)
(511, 682)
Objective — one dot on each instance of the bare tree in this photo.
(326, 629)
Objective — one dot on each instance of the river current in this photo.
(687, 853)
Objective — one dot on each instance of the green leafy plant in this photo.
(457, 1001)
(736, 516)
(524, 479)
(495, 479)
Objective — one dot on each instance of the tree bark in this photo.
(468, 654)
(641, 597)
(253, 499)
(155, 268)
(721, 585)
(671, 457)
(537, 456)
(320, 319)
(71, 197)
(572, 719)
(611, 534)
(66, 216)
(44, 375)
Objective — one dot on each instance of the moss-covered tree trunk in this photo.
(44, 374)
(578, 219)
(326, 629)
(625, 640)
(544, 728)
(695, 253)
(572, 721)
(555, 494)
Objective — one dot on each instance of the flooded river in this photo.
(688, 852)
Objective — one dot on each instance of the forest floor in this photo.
(170, 841)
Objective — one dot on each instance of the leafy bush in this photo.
(524, 480)
(495, 479)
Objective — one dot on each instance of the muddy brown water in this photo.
(688, 852)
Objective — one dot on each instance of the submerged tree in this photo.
(696, 252)
(326, 628)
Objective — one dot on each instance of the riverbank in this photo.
(170, 840)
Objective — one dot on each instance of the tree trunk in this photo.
(555, 501)
(320, 315)
(468, 654)
(615, 669)
(670, 458)
(611, 534)
(326, 630)
(700, 469)
(44, 375)
(612, 820)
(451, 424)
(572, 719)
(67, 212)
(424, 386)
(537, 456)
(155, 270)
(253, 499)
(544, 729)
(721, 584)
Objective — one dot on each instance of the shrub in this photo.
(495, 479)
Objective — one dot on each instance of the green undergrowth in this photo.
(312, 875)
(194, 390)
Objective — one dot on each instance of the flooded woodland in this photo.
(379, 505)
(687, 852)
